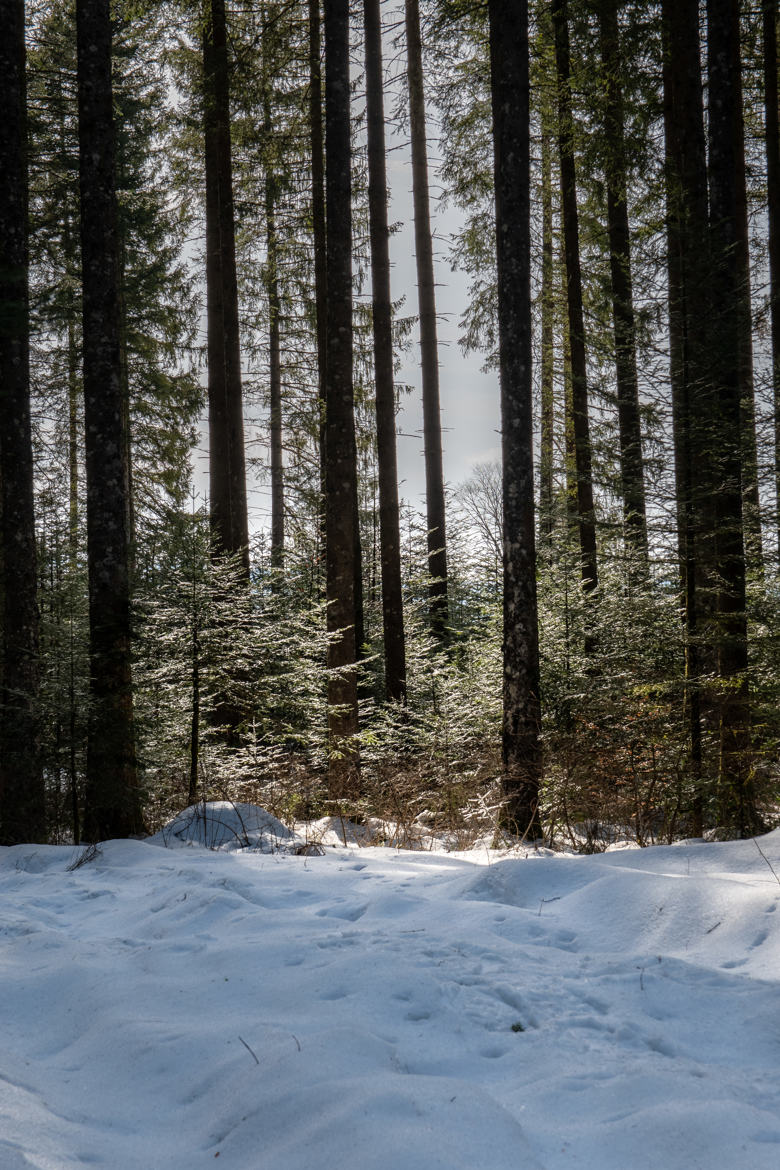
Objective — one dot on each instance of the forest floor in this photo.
(374, 1008)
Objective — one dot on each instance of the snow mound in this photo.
(223, 825)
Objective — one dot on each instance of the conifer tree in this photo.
(318, 212)
(227, 472)
(688, 277)
(274, 356)
(521, 705)
(389, 532)
(341, 547)
(586, 521)
(22, 815)
(631, 466)
(729, 395)
(772, 141)
(429, 353)
(112, 807)
(546, 457)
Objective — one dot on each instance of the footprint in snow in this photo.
(348, 913)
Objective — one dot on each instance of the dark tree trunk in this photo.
(581, 426)
(73, 447)
(22, 813)
(389, 531)
(521, 717)
(434, 469)
(631, 466)
(688, 260)
(318, 221)
(72, 310)
(572, 513)
(227, 473)
(737, 803)
(341, 461)
(547, 379)
(275, 376)
(192, 794)
(751, 506)
(112, 806)
(357, 589)
(772, 131)
(73, 521)
(124, 368)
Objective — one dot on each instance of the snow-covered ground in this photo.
(371, 1009)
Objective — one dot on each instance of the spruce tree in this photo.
(772, 142)
(521, 704)
(429, 350)
(389, 532)
(112, 807)
(729, 395)
(341, 546)
(227, 472)
(688, 281)
(631, 464)
(22, 814)
(586, 520)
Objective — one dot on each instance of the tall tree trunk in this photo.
(688, 260)
(227, 471)
(73, 542)
(434, 469)
(772, 132)
(22, 812)
(112, 807)
(521, 709)
(124, 366)
(192, 793)
(631, 467)
(275, 372)
(73, 446)
(341, 460)
(389, 530)
(571, 235)
(68, 243)
(737, 802)
(547, 377)
(318, 222)
(751, 505)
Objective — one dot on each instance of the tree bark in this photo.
(389, 529)
(112, 807)
(340, 450)
(547, 377)
(227, 471)
(318, 223)
(772, 134)
(688, 263)
(582, 447)
(511, 141)
(631, 465)
(22, 811)
(275, 373)
(434, 469)
(751, 505)
(737, 801)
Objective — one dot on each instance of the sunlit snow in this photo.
(369, 1009)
